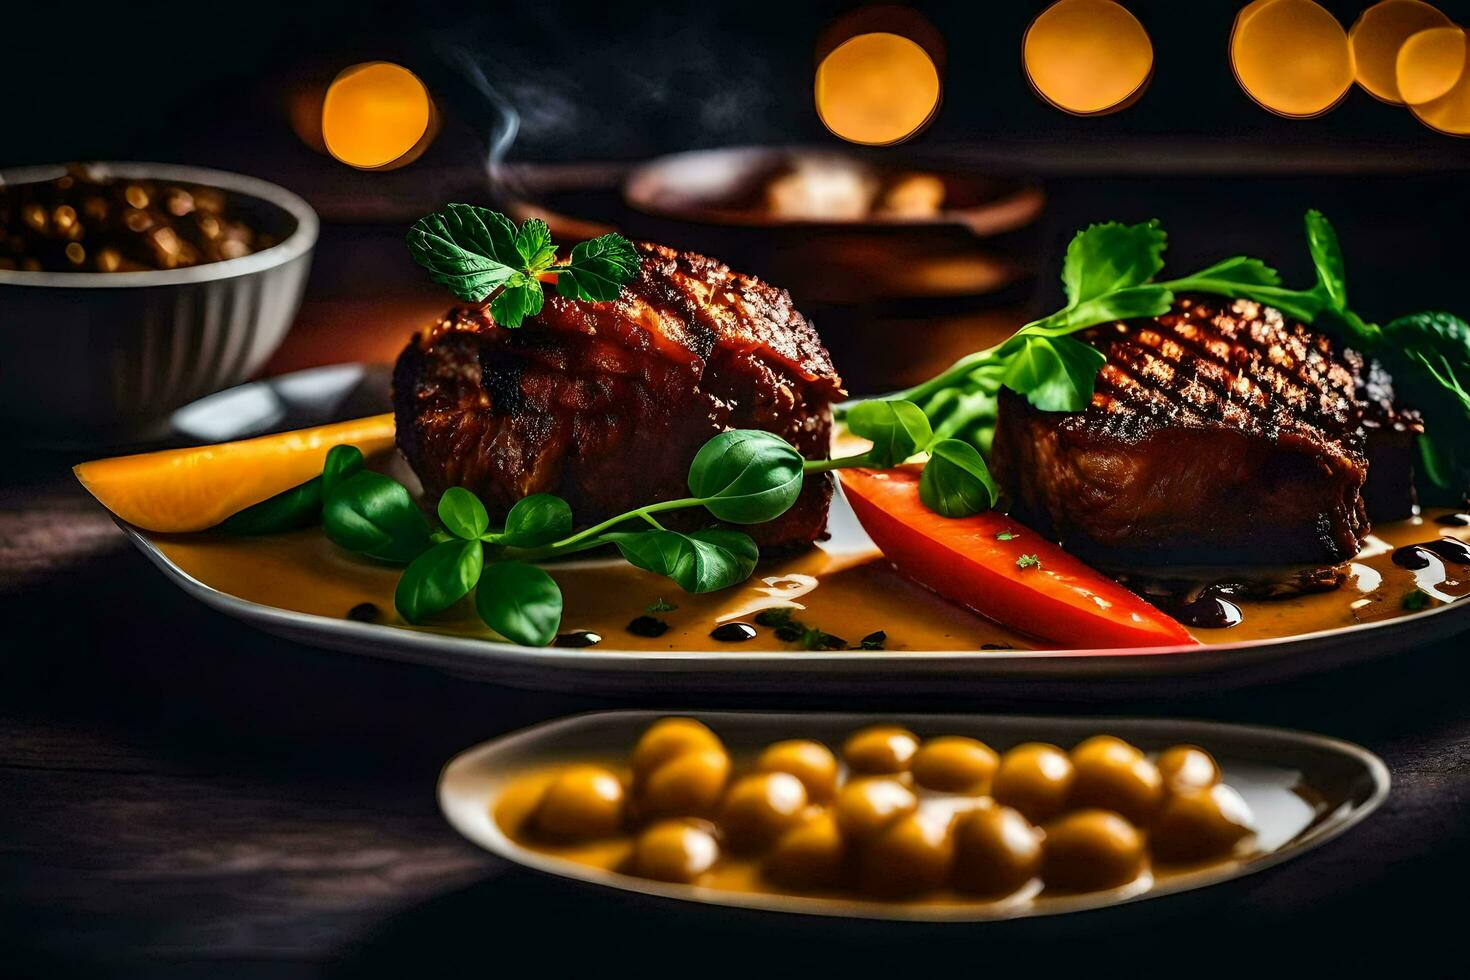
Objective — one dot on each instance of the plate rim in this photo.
(1203, 659)
(1311, 837)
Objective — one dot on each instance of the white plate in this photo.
(1263, 764)
(322, 395)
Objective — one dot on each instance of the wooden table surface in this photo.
(183, 796)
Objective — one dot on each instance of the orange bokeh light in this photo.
(1429, 64)
(1377, 37)
(1291, 57)
(1087, 57)
(877, 89)
(377, 116)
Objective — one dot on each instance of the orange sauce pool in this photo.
(844, 588)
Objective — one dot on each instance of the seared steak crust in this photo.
(605, 404)
(1219, 433)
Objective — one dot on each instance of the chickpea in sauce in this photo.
(945, 819)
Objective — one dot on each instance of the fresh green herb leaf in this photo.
(1056, 374)
(874, 640)
(479, 254)
(300, 506)
(536, 520)
(897, 429)
(956, 482)
(471, 250)
(520, 297)
(1028, 561)
(1428, 355)
(374, 515)
(1007, 536)
(701, 561)
(659, 605)
(1414, 601)
(1108, 257)
(533, 244)
(520, 602)
(747, 476)
(462, 513)
(438, 578)
(341, 462)
(598, 269)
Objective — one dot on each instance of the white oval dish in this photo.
(1263, 764)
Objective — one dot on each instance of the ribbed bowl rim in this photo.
(298, 243)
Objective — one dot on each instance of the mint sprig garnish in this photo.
(481, 255)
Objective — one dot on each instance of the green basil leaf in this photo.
(1056, 374)
(471, 250)
(520, 602)
(533, 244)
(1428, 355)
(702, 561)
(300, 506)
(956, 482)
(1112, 256)
(374, 515)
(521, 297)
(536, 520)
(1327, 258)
(1240, 269)
(462, 513)
(897, 429)
(438, 578)
(341, 462)
(599, 269)
(746, 476)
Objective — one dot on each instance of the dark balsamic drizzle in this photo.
(363, 612)
(1210, 610)
(733, 633)
(1449, 549)
(1453, 520)
(578, 639)
(649, 626)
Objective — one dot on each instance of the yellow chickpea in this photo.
(761, 807)
(675, 850)
(880, 750)
(688, 785)
(811, 762)
(910, 856)
(668, 738)
(1200, 824)
(1035, 778)
(996, 851)
(1186, 767)
(809, 856)
(955, 764)
(1110, 774)
(866, 806)
(581, 803)
(1090, 850)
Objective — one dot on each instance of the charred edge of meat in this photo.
(605, 404)
(1219, 433)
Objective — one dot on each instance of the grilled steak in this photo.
(1219, 433)
(605, 404)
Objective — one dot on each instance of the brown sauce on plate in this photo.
(843, 592)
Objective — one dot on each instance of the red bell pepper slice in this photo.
(1061, 600)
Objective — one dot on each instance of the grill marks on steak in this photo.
(1219, 433)
(605, 404)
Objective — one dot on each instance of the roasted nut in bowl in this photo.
(103, 357)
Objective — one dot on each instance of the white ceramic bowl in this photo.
(94, 357)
